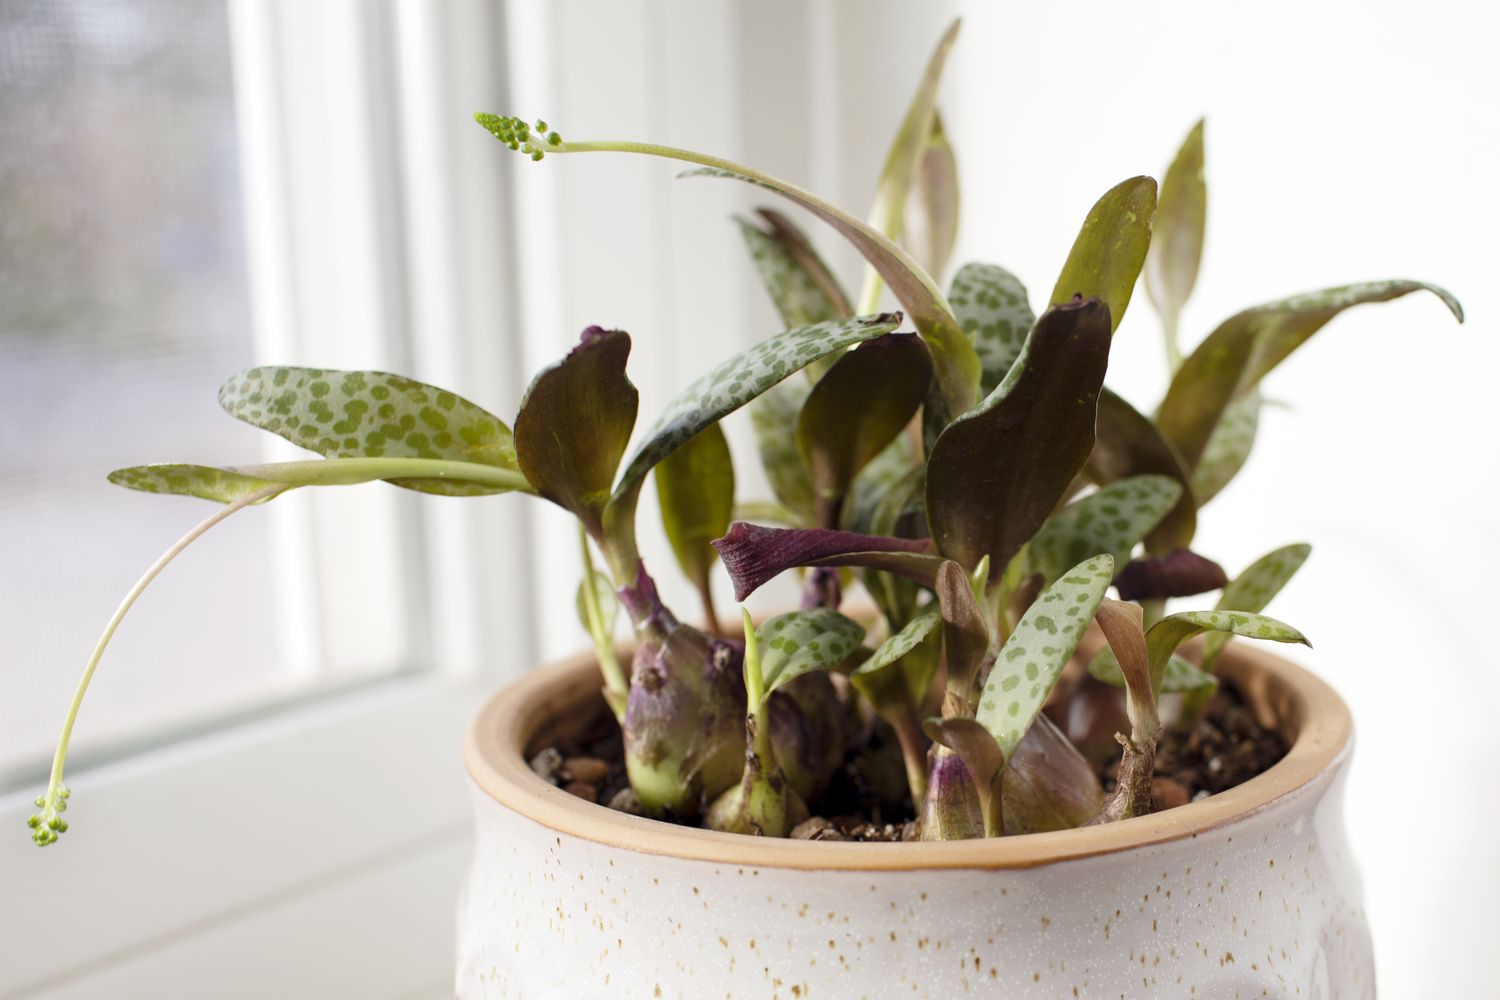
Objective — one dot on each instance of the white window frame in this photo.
(248, 840)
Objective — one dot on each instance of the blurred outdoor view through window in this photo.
(123, 303)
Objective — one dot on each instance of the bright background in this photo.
(269, 758)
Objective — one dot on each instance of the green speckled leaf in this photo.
(695, 486)
(992, 306)
(902, 667)
(359, 414)
(1233, 359)
(801, 287)
(953, 357)
(800, 641)
(996, 473)
(773, 417)
(1253, 589)
(1181, 674)
(1108, 253)
(1228, 447)
(202, 481)
(1177, 240)
(740, 379)
(858, 408)
(1126, 443)
(1110, 520)
(574, 423)
(904, 159)
(1163, 638)
(1033, 657)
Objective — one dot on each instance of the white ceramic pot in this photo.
(1249, 893)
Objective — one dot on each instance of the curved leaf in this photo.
(966, 633)
(1163, 638)
(932, 212)
(740, 379)
(695, 486)
(1111, 520)
(1179, 573)
(365, 414)
(900, 671)
(1236, 356)
(574, 423)
(801, 287)
(1108, 253)
(982, 755)
(1228, 447)
(997, 472)
(202, 481)
(1253, 589)
(227, 485)
(1181, 674)
(773, 417)
(1036, 652)
(1177, 240)
(1126, 443)
(800, 641)
(1122, 625)
(754, 554)
(992, 306)
(902, 161)
(857, 408)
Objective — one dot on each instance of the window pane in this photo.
(123, 304)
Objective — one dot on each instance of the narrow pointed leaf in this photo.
(202, 481)
(1228, 447)
(1128, 444)
(1253, 589)
(932, 212)
(801, 287)
(1247, 346)
(695, 486)
(1108, 253)
(1181, 674)
(1036, 652)
(800, 641)
(364, 414)
(740, 379)
(1177, 240)
(1112, 519)
(858, 407)
(574, 423)
(754, 554)
(904, 159)
(902, 667)
(966, 634)
(773, 417)
(997, 472)
(992, 306)
(1165, 636)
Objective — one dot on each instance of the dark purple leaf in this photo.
(754, 554)
(1179, 573)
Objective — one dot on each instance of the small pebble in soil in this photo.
(591, 770)
(548, 763)
(583, 790)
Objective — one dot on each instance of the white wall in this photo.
(1346, 141)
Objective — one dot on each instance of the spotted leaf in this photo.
(1163, 638)
(992, 307)
(740, 379)
(1228, 447)
(1253, 589)
(1233, 359)
(1033, 657)
(800, 641)
(773, 417)
(1126, 443)
(229, 484)
(1108, 253)
(901, 668)
(1112, 519)
(1180, 675)
(202, 481)
(801, 287)
(363, 414)
(997, 472)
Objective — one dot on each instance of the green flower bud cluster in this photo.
(48, 825)
(532, 140)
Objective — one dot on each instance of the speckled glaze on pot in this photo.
(1250, 893)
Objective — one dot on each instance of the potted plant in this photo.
(991, 774)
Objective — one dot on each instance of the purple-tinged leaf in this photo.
(997, 472)
(1179, 573)
(1121, 624)
(932, 211)
(1109, 250)
(1047, 784)
(974, 745)
(967, 640)
(856, 409)
(574, 423)
(1128, 444)
(754, 554)
(1234, 358)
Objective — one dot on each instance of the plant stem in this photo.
(1169, 334)
(604, 645)
(913, 755)
(710, 616)
(55, 780)
(755, 694)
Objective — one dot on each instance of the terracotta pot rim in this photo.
(1308, 712)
